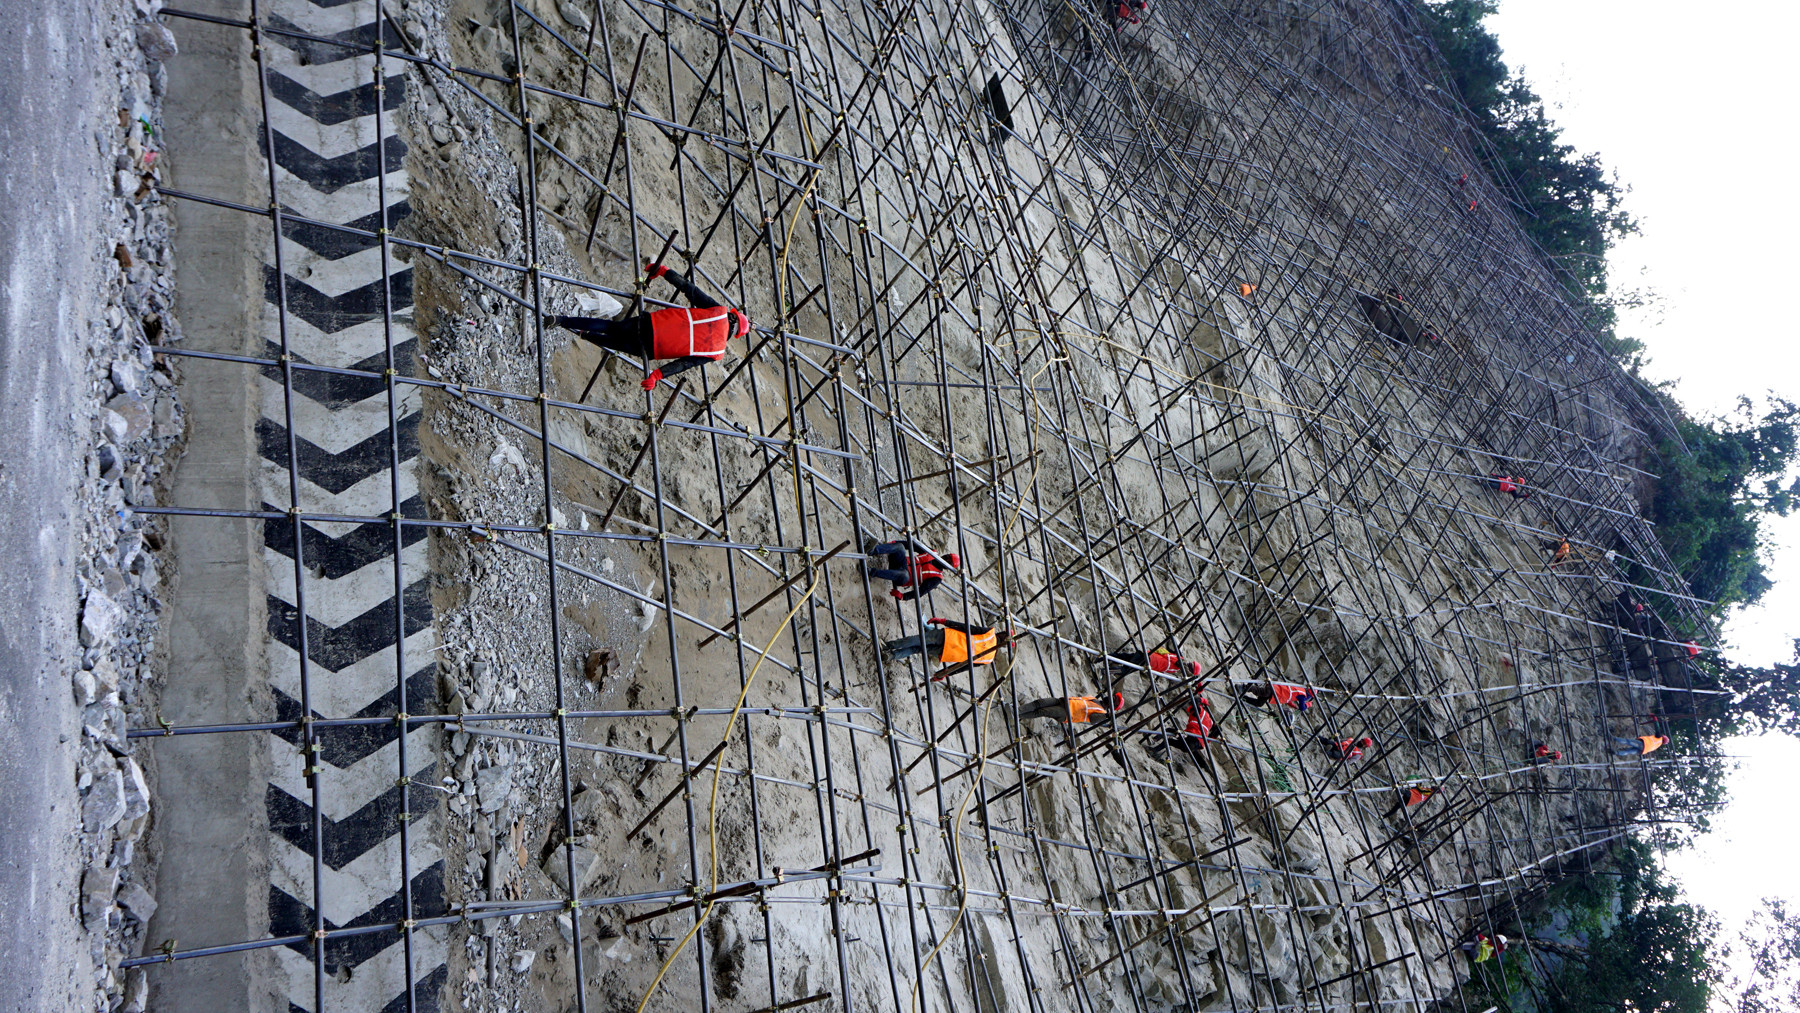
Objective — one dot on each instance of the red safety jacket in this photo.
(676, 333)
(923, 568)
(1163, 661)
(1507, 484)
(1290, 695)
(1200, 725)
(1349, 749)
(1693, 649)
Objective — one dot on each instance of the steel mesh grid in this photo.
(1088, 376)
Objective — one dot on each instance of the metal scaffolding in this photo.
(1203, 332)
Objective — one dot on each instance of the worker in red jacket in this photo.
(1192, 739)
(1345, 749)
(1410, 796)
(1542, 753)
(917, 571)
(1285, 694)
(1512, 485)
(1159, 660)
(690, 337)
(1120, 13)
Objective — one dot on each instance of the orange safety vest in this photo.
(676, 333)
(1082, 708)
(956, 647)
(1652, 743)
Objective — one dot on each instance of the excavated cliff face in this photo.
(1115, 361)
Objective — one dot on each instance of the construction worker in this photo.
(1542, 753)
(1285, 694)
(1159, 660)
(1120, 13)
(690, 337)
(1482, 949)
(917, 571)
(1192, 739)
(1512, 485)
(1409, 796)
(1345, 749)
(1560, 551)
(1642, 745)
(1074, 710)
(953, 642)
(1693, 649)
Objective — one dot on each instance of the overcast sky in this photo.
(1691, 105)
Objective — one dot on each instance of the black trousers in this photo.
(630, 335)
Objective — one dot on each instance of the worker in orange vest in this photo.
(953, 642)
(691, 337)
(1410, 796)
(1285, 694)
(1560, 551)
(1159, 660)
(1642, 745)
(1345, 749)
(1075, 710)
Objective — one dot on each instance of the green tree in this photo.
(1569, 205)
(1710, 500)
(1657, 960)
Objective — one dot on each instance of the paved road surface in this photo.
(49, 181)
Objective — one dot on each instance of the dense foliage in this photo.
(1623, 943)
(1710, 501)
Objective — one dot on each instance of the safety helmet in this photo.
(1365, 742)
(953, 559)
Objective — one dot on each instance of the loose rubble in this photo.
(136, 424)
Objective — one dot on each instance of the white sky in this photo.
(1692, 107)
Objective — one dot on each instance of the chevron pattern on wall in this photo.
(367, 625)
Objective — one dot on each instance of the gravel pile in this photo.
(136, 427)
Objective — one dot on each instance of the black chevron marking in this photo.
(289, 916)
(426, 994)
(339, 648)
(343, 746)
(350, 838)
(358, 41)
(334, 390)
(329, 175)
(337, 472)
(331, 314)
(339, 107)
(333, 244)
(338, 557)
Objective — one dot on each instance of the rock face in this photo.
(1155, 414)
